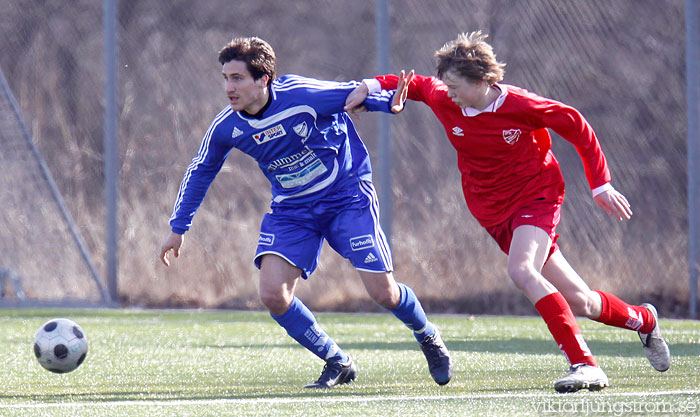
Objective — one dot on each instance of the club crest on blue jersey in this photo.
(274, 132)
(266, 239)
(302, 130)
(361, 242)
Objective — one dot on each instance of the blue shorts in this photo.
(350, 225)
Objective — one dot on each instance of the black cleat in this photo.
(438, 357)
(335, 373)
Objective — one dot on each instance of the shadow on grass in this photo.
(514, 345)
(251, 393)
(538, 347)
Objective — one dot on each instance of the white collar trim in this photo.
(491, 108)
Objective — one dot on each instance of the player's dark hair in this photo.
(470, 57)
(256, 53)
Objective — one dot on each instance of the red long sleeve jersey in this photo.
(504, 152)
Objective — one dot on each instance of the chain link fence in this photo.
(620, 63)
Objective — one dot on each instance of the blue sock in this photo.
(411, 313)
(301, 325)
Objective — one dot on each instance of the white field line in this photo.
(337, 400)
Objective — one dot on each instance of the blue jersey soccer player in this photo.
(321, 180)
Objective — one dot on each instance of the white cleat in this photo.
(654, 344)
(582, 376)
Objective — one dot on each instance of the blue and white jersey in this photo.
(304, 143)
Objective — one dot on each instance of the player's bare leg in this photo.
(588, 303)
(528, 251)
(583, 301)
(382, 287)
(278, 279)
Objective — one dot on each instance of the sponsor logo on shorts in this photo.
(371, 258)
(274, 132)
(266, 239)
(361, 242)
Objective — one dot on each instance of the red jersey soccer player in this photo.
(514, 187)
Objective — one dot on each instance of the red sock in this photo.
(618, 313)
(561, 322)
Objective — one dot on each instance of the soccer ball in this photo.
(60, 345)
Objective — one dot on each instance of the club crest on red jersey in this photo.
(511, 135)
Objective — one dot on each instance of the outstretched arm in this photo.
(353, 103)
(399, 99)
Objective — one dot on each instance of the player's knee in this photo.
(274, 301)
(382, 288)
(521, 275)
(386, 297)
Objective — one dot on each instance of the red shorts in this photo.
(539, 213)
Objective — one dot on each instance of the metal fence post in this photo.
(384, 67)
(111, 161)
(692, 65)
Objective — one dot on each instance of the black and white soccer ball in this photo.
(60, 345)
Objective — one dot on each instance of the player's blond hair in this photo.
(471, 57)
(256, 53)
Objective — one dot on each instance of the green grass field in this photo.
(202, 363)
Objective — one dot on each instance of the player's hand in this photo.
(353, 103)
(172, 242)
(399, 99)
(615, 204)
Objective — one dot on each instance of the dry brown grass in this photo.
(629, 88)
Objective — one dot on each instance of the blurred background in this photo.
(620, 63)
